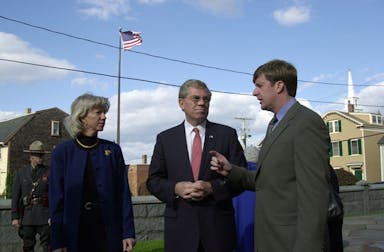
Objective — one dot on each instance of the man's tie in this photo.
(196, 154)
(271, 125)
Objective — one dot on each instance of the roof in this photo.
(359, 122)
(346, 116)
(9, 127)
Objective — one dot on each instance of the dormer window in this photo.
(55, 128)
(377, 119)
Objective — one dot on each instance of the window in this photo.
(55, 128)
(377, 119)
(374, 119)
(336, 149)
(334, 126)
(354, 146)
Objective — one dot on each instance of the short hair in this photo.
(183, 92)
(279, 70)
(80, 108)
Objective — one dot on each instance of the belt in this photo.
(35, 201)
(90, 205)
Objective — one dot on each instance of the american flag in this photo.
(130, 39)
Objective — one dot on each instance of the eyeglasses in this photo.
(195, 98)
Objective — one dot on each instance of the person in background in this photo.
(30, 214)
(90, 200)
(199, 214)
(291, 180)
(335, 225)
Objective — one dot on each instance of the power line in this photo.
(150, 81)
(167, 58)
(105, 44)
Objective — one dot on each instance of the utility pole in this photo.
(244, 130)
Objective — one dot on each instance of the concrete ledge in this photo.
(149, 222)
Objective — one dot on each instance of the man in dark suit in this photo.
(291, 181)
(199, 214)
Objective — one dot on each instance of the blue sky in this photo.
(323, 39)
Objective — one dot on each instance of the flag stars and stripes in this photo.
(130, 39)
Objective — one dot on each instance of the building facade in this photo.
(355, 143)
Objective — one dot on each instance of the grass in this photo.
(149, 246)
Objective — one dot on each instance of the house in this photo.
(355, 142)
(18, 133)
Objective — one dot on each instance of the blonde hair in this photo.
(80, 108)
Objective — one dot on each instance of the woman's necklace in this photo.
(87, 146)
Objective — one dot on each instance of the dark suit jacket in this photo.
(68, 164)
(210, 221)
(291, 184)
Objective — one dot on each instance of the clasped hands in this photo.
(195, 191)
(200, 189)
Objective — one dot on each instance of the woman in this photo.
(89, 197)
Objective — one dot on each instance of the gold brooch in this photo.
(107, 152)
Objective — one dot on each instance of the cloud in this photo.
(6, 115)
(292, 16)
(319, 78)
(145, 113)
(84, 81)
(372, 95)
(151, 1)
(14, 48)
(104, 9)
(376, 77)
(219, 7)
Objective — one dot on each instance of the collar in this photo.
(188, 127)
(283, 111)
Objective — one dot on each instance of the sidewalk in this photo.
(364, 233)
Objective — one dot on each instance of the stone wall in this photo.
(363, 199)
(148, 212)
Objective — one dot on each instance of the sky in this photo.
(53, 51)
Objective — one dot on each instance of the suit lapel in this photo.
(280, 128)
(209, 144)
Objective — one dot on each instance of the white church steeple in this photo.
(351, 101)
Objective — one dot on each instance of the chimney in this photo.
(351, 107)
(28, 110)
(144, 159)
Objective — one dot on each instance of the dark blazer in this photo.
(67, 169)
(210, 221)
(291, 184)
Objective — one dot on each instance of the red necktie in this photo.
(196, 153)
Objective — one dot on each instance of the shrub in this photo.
(345, 178)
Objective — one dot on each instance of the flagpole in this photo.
(118, 93)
